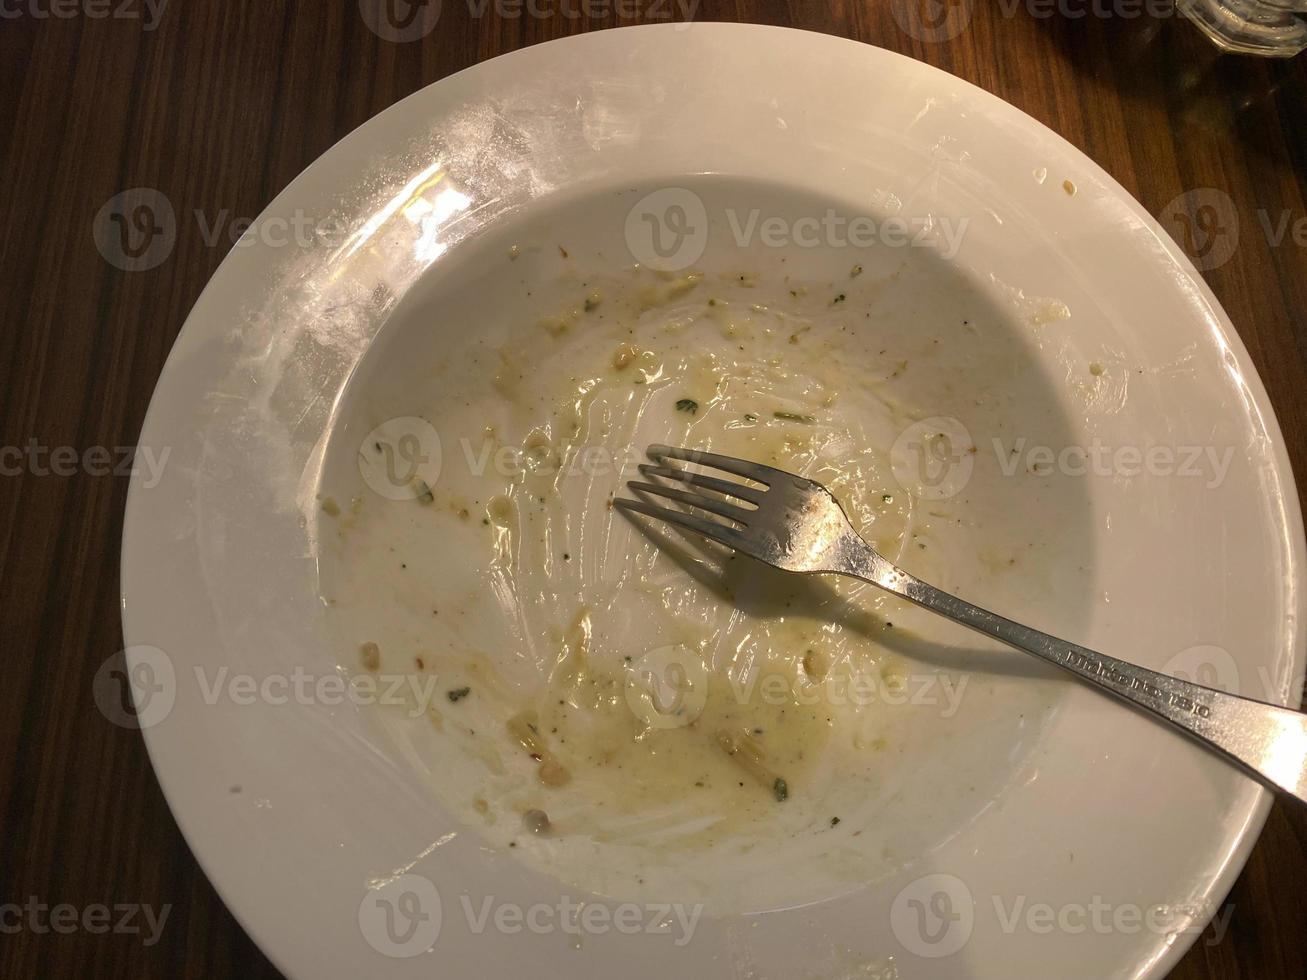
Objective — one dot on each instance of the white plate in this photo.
(1040, 830)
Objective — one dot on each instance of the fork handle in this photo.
(1269, 741)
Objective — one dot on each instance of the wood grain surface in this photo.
(217, 105)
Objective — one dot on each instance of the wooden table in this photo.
(218, 104)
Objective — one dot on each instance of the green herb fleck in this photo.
(834, 821)
(425, 495)
(458, 693)
(793, 417)
(888, 498)
(750, 417)
(687, 405)
(780, 790)
(838, 299)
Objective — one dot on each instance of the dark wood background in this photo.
(219, 106)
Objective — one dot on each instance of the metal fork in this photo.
(797, 525)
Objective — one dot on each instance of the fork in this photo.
(797, 525)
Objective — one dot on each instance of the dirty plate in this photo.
(422, 703)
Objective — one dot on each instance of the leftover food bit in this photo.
(816, 664)
(370, 656)
(330, 507)
(688, 405)
(525, 727)
(458, 694)
(499, 510)
(745, 750)
(536, 822)
(623, 356)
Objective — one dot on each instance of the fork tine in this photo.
(699, 525)
(739, 490)
(710, 504)
(740, 467)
